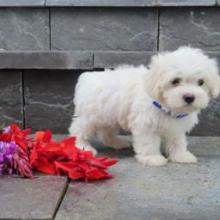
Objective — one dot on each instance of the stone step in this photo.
(58, 60)
(36, 198)
(43, 99)
(91, 35)
(75, 60)
(106, 3)
(172, 192)
(202, 146)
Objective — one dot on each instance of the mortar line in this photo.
(23, 99)
(158, 30)
(50, 28)
(93, 60)
(61, 198)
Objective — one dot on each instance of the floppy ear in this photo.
(153, 78)
(215, 81)
(215, 89)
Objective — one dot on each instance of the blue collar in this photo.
(172, 114)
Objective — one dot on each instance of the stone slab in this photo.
(104, 29)
(22, 3)
(30, 198)
(210, 117)
(104, 3)
(202, 146)
(186, 2)
(199, 27)
(46, 60)
(209, 120)
(101, 3)
(67, 60)
(48, 99)
(129, 3)
(11, 109)
(172, 192)
(24, 29)
(114, 59)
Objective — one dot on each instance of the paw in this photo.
(152, 160)
(185, 157)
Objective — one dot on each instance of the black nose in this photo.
(189, 98)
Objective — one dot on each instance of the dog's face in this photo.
(184, 80)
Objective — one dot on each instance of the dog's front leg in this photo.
(147, 148)
(176, 145)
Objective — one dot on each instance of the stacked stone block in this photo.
(46, 44)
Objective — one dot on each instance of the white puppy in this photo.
(158, 103)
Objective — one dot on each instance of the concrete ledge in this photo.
(75, 60)
(46, 60)
(22, 3)
(129, 3)
(175, 191)
(186, 3)
(20, 197)
(106, 3)
(202, 146)
(113, 59)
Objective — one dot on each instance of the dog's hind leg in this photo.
(108, 136)
(83, 130)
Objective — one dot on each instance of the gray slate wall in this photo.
(45, 48)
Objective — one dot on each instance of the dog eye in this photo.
(200, 82)
(176, 81)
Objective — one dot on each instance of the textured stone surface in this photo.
(201, 146)
(186, 2)
(130, 3)
(117, 3)
(105, 3)
(24, 29)
(30, 198)
(172, 192)
(48, 99)
(23, 3)
(204, 146)
(46, 60)
(65, 60)
(210, 117)
(11, 97)
(113, 59)
(104, 29)
(209, 124)
(198, 27)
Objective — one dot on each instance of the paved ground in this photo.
(173, 192)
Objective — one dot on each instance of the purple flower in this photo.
(7, 150)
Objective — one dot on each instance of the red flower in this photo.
(19, 136)
(51, 157)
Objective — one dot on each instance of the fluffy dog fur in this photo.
(122, 98)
